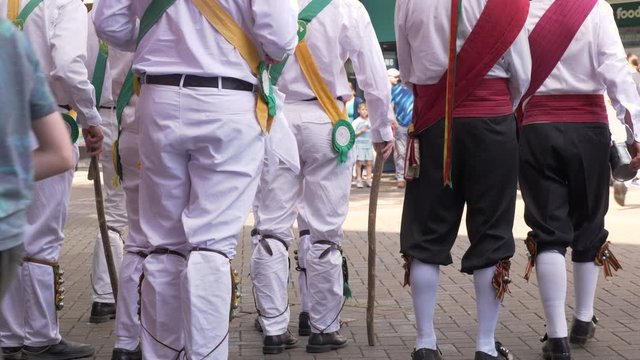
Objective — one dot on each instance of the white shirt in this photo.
(57, 30)
(422, 40)
(594, 62)
(344, 31)
(183, 41)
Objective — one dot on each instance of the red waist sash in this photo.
(491, 98)
(582, 108)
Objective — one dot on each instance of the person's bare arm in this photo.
(54, 154)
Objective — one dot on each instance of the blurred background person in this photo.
(363, 145)
(402, 102)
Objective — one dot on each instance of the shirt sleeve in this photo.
(69, 53)
(402, 43)
(518, 63)
(612, 68)
(276, 30)
(368, 64)
(41, 101)
(115, 22)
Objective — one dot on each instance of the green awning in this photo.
(627, 13)
(381, 13)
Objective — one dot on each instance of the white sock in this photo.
(488, 308)
(585, 281)
(552, 281)
(424, 280)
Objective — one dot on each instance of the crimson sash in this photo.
(550, 39)
(497, 28)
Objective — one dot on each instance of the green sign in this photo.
(381, 14)
(627, 14)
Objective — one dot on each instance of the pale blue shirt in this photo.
(24, 97)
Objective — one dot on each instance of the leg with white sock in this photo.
(585, 283)
(424, 280)
(552, 281)
(488, 309)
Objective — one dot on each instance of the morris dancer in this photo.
(564, 152)
(201, 151)
(462, 150)
(316, 86)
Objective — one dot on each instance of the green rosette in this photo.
(343, 139)
(73, 125)
(266, 88)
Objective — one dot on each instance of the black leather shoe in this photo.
(257, 325)
(319, 343)
(426, 354)
(304, 326)
(581, 331)
(503, 354)
(64, 350)
(277, 343)
(556, 349)
(102, 312)
(124, 354)
(12, 353)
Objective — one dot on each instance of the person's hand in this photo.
(93, 138)
(384, 149)
(634, 151)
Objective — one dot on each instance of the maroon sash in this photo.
(581, 108)
(550, 39)
(497, 28)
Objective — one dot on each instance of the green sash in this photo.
(152, 14)
(26, 11)
(304, 18)
(100, 71)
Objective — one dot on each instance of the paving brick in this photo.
(521, 322)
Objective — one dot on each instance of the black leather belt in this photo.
(107, 107)
(165, 251)
(66, 107)
(339, 98)
(304, 233)
(221, 82)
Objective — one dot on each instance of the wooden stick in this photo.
(371, 263)
(94, 174)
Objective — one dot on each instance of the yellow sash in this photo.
(13, 9)
(318, 85)
(222, 21)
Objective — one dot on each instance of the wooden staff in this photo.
(94, 174)
(371, 263)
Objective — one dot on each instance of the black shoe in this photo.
(556, 349)
(319, 343)
(124, 354)
(503, 354)
(304, 326)
(12, 353)
(275, 344)
(581, 331)
(102, 312)
(64, 350)
(426, 354)
(257, 325)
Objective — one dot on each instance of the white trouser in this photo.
(29, 315)
(400, 150)
(325, 200)
(127, 323)
(115, 214)
(201, 151)
(270, 271)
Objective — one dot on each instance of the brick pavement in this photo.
(521, 321)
